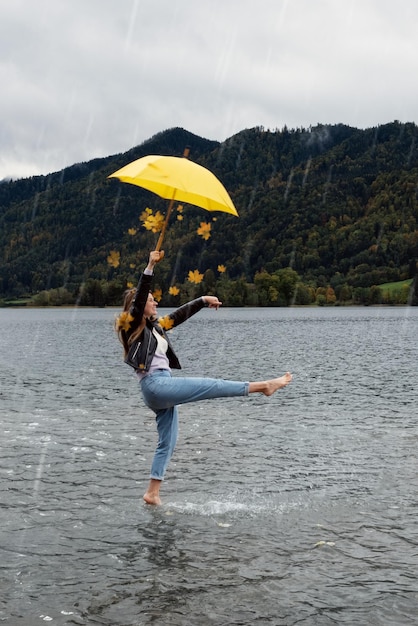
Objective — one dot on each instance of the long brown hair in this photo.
(123, 323)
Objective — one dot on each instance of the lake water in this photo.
(301, 508)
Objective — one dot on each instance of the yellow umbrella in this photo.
(179, 180)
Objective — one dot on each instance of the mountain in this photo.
(336, 204)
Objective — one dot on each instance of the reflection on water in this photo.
(296, 509)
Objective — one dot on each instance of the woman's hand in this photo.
(155, 256)
(212, 302)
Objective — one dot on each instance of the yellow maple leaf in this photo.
(145, 214)
(132, 265)
(153, 222)
(195, 277)
(204, 230)
(123, 321)
(166, 322)
(180, 208)
(114, 258)
(129, 285)
(174, 291)
(132, 231)
(221, 269)
(157, 294)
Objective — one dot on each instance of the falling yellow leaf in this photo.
(114, 258)
(166, 322)
(129, 285)
(157, 294)
(221, 269)
(145, 214)
(195, 277)
(179, 217)
(204, 230)
(152, 222)
(174, 291)
(132, 231)
(180, 208)
(123, 321)
(132, 266)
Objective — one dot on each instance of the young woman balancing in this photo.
(148, 350)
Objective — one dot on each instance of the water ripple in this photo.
(299, 509)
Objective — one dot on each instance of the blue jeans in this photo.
(162, 393)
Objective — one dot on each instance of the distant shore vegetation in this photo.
(282, 289)
(328, 216)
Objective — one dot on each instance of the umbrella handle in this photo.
(164, 228)
(167, 217)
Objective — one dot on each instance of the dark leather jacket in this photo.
(142, 350)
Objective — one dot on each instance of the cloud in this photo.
(87, 79)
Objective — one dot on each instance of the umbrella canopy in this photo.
(179, 180)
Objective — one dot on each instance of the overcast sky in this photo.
(88, 78)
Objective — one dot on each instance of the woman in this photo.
(148, 350)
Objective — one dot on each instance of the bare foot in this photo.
(150, 498)
(277, 383)
(152, 494)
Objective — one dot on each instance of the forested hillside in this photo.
(326, 215)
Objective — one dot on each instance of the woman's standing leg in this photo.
(167, 427)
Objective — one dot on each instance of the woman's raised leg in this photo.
(162, 391)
